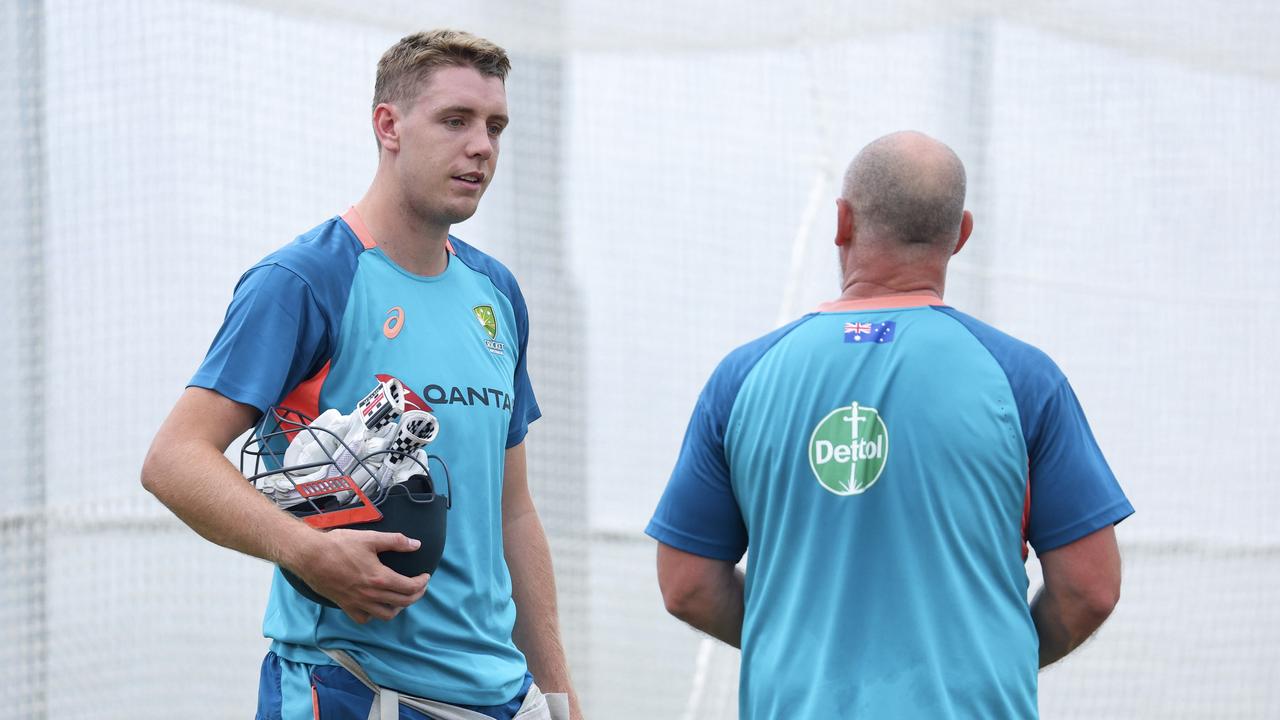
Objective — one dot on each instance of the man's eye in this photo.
(495, 130)
(453, 122)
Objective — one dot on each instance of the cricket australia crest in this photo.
(489, 321)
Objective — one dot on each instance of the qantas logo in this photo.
(469, 396)
(395, 322)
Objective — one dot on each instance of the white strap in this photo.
(387, 702)
(558, 705)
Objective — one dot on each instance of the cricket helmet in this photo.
(368, 470)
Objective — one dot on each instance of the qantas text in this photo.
(489, 397)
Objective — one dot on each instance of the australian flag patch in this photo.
(865, 333)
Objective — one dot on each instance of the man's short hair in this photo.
(907, 196)
(406, 66)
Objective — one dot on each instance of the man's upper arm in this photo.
(1073, 491)
(698, 512)
(274, 336)
(1087, 569)
(516, 500)
(201, 424)
(206, 415)
(680, 569)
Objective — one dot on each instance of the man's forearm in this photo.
(190, 475)
(537, 630)
(187, 471)
(1062, 625)
(1081, 588)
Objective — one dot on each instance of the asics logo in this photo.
(395, 322)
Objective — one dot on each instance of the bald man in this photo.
(885, 460)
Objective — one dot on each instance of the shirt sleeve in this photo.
(1073, 491)
(273, 337)
(524, 407)
(698, 512)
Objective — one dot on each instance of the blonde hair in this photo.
(406, 66)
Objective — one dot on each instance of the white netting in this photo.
(665, 193)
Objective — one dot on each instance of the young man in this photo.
(885, 460)
(384, 289)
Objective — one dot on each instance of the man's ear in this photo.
(844, 222)
(966, 229)
(386, 126)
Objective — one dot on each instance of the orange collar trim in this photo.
(353, 220)
(883, 302)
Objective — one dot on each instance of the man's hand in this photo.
(533, 583)
(187, 471)
(343, 566)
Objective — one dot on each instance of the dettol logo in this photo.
(848, 449)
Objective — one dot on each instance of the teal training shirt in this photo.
(310, 327)
(884, 462)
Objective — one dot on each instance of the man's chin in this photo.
(447, 215)
(461, 213)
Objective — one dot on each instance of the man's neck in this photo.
(876, 273)
(414, 245)
(855, 289)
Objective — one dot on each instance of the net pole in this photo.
(29, 526)
(824, 177)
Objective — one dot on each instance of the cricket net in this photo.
(665, 194)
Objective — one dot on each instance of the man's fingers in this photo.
(392, 542)
(394, 599)
(366, 611)
(385, 612)
(404, 587)
(393, 589)
(384, 604)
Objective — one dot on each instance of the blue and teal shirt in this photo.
(310, 327)
(885, 463)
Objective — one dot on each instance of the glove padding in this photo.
(376, 449)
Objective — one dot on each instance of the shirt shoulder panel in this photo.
(524, 408)
(1072, 490)
(324, 259)
(698, 512)
(283, 319)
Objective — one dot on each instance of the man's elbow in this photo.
(150, 475)
(691, 597)
(694, 588)
(157, 469)
(682, 599)
(1099, 601)
(1083, 607)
